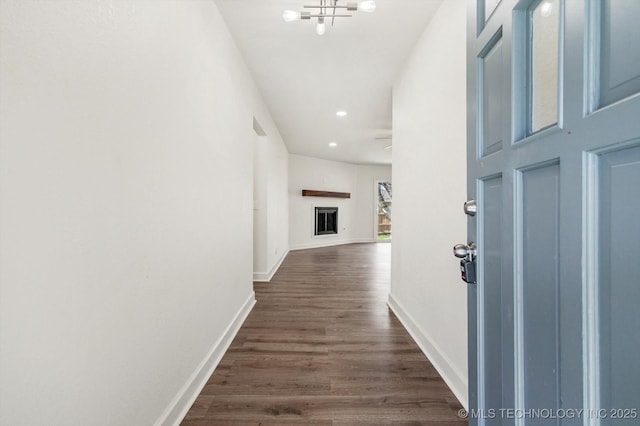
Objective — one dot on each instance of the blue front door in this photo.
(554, 165)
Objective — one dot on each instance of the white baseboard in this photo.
(457, 382)
(266, 277)
(184, 399)
(330, 243)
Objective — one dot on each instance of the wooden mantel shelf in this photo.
(329, 194)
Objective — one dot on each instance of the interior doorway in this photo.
(383, 211)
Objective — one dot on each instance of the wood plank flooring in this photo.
(321, 347)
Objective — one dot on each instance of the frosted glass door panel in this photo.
(545, 24)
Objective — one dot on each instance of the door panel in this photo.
(492, 96)
(553, 318)
(495, 300)
(620, 59)
(619, 284)
(489, 7)
(539, 287)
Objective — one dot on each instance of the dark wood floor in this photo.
(321, 347)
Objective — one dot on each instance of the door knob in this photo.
(462, 250)
(470, 208)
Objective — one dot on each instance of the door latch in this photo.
(467, 255)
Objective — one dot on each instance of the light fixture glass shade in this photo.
(290, 15)
(321, 28)
(367, 6)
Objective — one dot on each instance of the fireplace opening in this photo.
(326, 220)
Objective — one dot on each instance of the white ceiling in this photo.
(305, 78)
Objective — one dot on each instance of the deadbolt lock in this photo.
(470, 208)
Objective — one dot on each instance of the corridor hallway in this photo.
(321, 347)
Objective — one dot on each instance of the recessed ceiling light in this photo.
(333, 144)
(341, 113)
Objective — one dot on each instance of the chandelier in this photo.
(327, 9)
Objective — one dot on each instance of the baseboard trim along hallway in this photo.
(183, 400)
(330, 242)
(453, 378)
(266, 277)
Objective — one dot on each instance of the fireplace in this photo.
(326, 220)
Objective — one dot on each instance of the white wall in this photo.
(271, 206)
(259, 207)
(429, 182)
(355, 215)
(125, 207)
